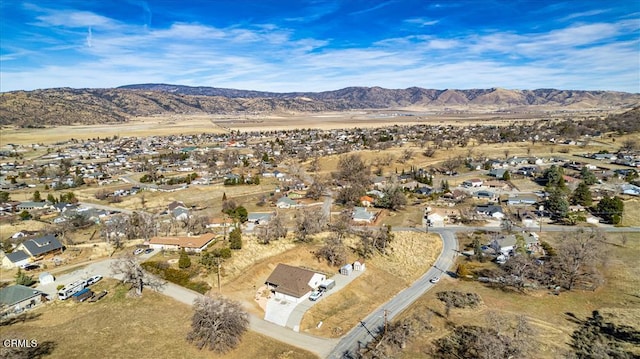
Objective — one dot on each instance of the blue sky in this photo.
(313, 45)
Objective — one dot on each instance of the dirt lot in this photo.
(154, 326)
(618, 299)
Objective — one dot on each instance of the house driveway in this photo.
(290, 314)
(279, 310)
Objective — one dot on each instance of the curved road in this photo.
(359, 336)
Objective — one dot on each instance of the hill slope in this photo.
(62, 106)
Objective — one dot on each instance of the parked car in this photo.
(138, 251)
(93, 280)
(148, 250)
(434, 280)
(30, 266)
(315, 295)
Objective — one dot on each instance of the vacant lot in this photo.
(617, 299)
(153, 326)
(412, 254)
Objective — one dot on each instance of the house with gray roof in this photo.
(259, 217)
(41, 246)
(360, 214)
(18, 298)
(15, 259)
(286, 202)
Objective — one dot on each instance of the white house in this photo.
(286, 202)
(474, 182)
(293, 284)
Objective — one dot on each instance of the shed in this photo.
(359, 265)
(346, 269)
(46, 278)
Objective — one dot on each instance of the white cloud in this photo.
(95, 51)
(422, 22)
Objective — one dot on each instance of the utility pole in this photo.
(219, 265)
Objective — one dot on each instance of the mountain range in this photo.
(65, 106)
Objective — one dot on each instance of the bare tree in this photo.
(309, 221)
(334, 251)
(407, 154)
(217, 324)
(577, 260)
(114, 230)
(314, 166)
(451, 164)
(131, 272)
(429, 152)
(198, 224)
(353, 170)
(317, 188)
(377, 241)
(273, 230)
(629, 145)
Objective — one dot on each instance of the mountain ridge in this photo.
(63, 106)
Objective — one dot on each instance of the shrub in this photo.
(222, 252)
(459, 299)
(548, 249)
(184, 261)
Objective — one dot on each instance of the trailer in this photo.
(71, 289)
(327, 284)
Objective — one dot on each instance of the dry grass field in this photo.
(631, 214)
(413, 253)
(153, 326)
(617, 300)
(204, 123)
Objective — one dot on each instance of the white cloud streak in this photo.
(271, 58)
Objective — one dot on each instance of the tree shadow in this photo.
(43, 349)
(22, 318)
(438, 314)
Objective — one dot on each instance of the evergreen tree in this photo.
(587, 176)
(557, 203)
(582, 195)
(36, 196)
(184, 261)
(610, 209)
(235, 239)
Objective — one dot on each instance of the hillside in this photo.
(65, 106)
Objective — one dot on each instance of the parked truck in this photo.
(327, 284)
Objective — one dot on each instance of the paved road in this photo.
(358, 336)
